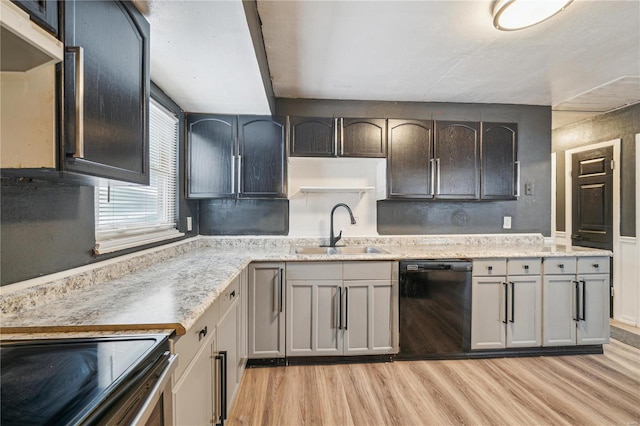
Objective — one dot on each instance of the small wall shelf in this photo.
(335, 189)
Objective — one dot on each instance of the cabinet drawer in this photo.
(525, 266)
(199, 334)
(366, 270)
(314, 271)
(593, 265)
(228, 296)
(559, 265)
(489, 267)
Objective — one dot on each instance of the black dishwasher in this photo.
(435, 308)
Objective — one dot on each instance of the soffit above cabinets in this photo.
(202, 56)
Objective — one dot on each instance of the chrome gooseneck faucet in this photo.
(333, 240)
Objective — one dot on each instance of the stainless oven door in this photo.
(150, 403)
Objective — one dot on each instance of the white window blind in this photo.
(129, 216)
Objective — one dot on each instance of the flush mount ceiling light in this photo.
(509, 15)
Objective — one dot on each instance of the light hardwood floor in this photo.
(565, 390)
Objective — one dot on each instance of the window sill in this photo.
(117, 243)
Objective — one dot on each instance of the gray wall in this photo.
(244, 217)
(530, 213)
(47, 227)
(623, 124)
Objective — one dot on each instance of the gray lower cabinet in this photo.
(576, 301)
(211, 361)
(506, 303)
(266, 334)
(341, 308)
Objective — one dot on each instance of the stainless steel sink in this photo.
(315, 250)
(361, 250)
(339, 250)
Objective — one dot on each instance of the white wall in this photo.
(309, 213)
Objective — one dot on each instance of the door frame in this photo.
(568, 202)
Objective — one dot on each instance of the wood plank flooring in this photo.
(565, 390)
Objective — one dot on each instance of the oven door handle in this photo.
(156, 393)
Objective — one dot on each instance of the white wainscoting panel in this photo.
(626, 284)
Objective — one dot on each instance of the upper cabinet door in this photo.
(262, 157)
(106, 90)
(43, 12)
(211, 153)
(409, 174)
(457, 160)
(312, 137)
(363, 137)
(499, 161)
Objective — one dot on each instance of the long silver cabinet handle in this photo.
(438, 175)
(433, 176)
(78, 52)
(342, 136)
(517, 163)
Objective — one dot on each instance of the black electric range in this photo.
(74, 381)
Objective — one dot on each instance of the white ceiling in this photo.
(427, 51)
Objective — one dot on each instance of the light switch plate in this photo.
(506, 222)
(528, 188)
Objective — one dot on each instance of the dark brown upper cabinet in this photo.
(211, 155)
(363, 137)
(312, 137)
(231, 156)
(106, 91)
(42, 12)
(338, 137)
(500, 168)
(410, 155)
(262, 157)
(456, 151)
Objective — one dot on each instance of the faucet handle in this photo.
(336, 239)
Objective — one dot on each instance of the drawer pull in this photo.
(561, 265)
(232, 295)
(526, 267)
(596, 266)
(489, 268)
(202, 333)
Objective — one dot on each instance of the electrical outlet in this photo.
(528, 188)
(506, 222)
(189, 223)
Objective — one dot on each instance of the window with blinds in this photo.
(129, 216)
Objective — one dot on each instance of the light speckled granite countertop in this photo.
(176, 290)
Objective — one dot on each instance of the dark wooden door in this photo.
(409, 159)
(499, 148)
(592, 198)
(312, 137)
(106, 90)
(211, 155)
(363, 137)
(457, 160)
(43, 12)
(262, 157)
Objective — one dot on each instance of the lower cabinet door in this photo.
(488, 311)
(194, 394)
(266, 306)
(558, 311)
(524, 313)
(593, 304)
(227, 332)
(368, 312)
(313, 317)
